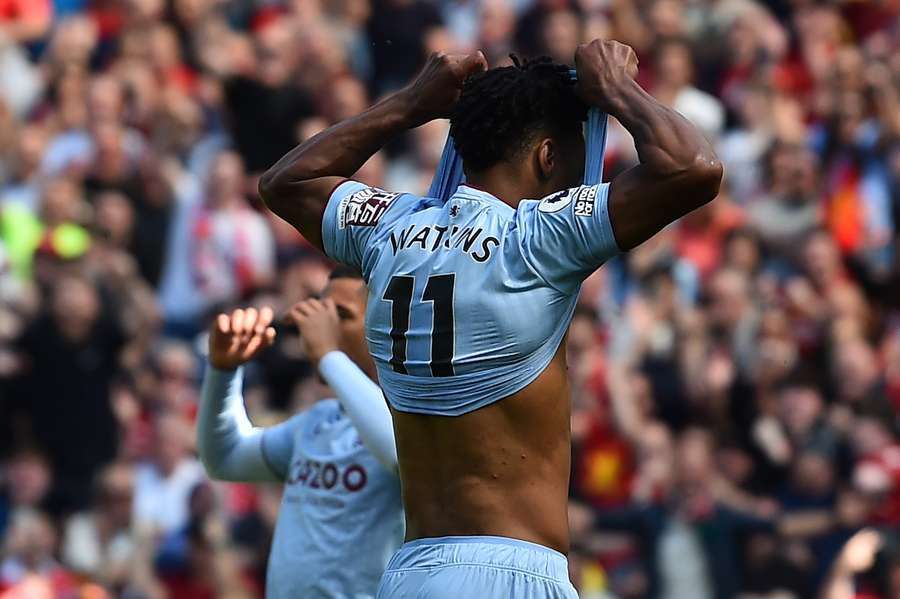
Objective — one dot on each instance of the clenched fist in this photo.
(435, 90)
(605, 69)
(237, 337)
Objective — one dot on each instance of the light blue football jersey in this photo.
(341, 517)
(469, 299)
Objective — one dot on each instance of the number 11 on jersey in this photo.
(439, 292)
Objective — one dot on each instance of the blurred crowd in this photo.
(735, 379)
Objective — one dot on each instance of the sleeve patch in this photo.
(364, 208)
(585, 200)
(556, 202)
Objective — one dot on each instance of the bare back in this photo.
(502, 470)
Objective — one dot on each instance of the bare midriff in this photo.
(502, 470)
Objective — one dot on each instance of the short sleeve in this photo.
(568, 235)
(351, 216)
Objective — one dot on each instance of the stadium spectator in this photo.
(98, 543)
(28, 482)
(29, 567)
(163, 484)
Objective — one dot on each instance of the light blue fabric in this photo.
(595, 146)
(469, 298)
(339, 501)
(449, 174)
(512, 278)
(364, 403)
(484, 567)
(341, 517)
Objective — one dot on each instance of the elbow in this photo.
(213, 467)
(282, 193)
(703, 178)
(210, 466)
(276, 188)
(269, 189)
(217, 472)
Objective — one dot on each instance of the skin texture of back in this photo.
(502, 470)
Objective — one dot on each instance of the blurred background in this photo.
(736, 379)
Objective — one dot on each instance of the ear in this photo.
(545, 157)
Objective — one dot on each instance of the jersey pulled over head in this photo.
(525, 119)
(470, 295)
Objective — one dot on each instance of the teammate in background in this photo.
(470, 300)
(341, 518)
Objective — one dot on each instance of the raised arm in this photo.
(230, 447)
(678, 170)
(298, 186)
(360, 397)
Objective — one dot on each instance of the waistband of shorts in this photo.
(504, 553)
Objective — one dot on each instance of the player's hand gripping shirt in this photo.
(468, 299)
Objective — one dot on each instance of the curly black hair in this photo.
(502, 110)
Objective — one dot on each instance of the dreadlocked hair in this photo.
(501, 111)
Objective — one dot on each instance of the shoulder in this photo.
(320, 417)
(322, 410)
(581, 199)
(290, 427)
(361, 205)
